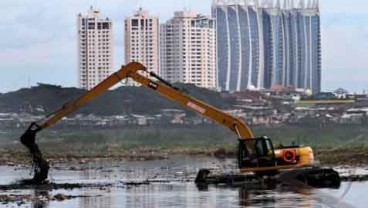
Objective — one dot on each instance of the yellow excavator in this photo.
(255, 155)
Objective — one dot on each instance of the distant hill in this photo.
(45, 98)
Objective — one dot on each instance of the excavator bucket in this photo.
(40, 165)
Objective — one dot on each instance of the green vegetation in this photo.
(307, 103)
(124, 100)
(324, 137)
(185, 140)
(100, 142)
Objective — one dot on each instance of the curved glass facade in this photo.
(222, 46)
(268, 52)
(232, 15)
(254, 37)
(245, 43)
(266, 44)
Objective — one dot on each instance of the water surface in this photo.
(173, 187)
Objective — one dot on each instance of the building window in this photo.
(134, 22)
(105, 25)
(91, 26)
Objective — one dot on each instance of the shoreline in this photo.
(354, 157)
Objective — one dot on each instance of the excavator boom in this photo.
(253, 154)
(131, 70)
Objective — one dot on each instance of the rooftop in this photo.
(280, 4)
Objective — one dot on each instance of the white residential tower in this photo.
(188, 49)
(142, 40)
(95, 48)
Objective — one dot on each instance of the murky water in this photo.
(173, 186)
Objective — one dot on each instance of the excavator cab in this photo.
(254, 153)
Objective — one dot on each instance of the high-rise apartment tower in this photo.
(142, 41)
(188, 49)
(95, 48)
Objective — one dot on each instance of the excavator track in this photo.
(313, 177)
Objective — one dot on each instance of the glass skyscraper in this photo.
(266, 43)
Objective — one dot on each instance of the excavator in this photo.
(254, 155)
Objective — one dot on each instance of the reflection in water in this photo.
(278, 197)
(40, 194)
(90, 202)
(105, 201)
(143, 196)
(40, 204)
(248, 198)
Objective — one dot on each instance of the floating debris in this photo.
(24, 185)
(355, 178)
(23, 199)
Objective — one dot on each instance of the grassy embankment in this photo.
(334, 145)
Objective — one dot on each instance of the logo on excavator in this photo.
(196, 107)
(153, 85)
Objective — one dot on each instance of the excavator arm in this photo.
(254, 154)
(161, 87)
(138, 73)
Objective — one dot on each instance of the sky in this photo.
(38, 39)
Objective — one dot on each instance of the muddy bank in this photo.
(357, 157)
(41, 198)
(50, 186)
(346, 156)
(349, 156)
(11, 161)
(354, 178)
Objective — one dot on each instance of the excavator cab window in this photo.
(257, 152)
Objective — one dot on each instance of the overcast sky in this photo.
(38, 38)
